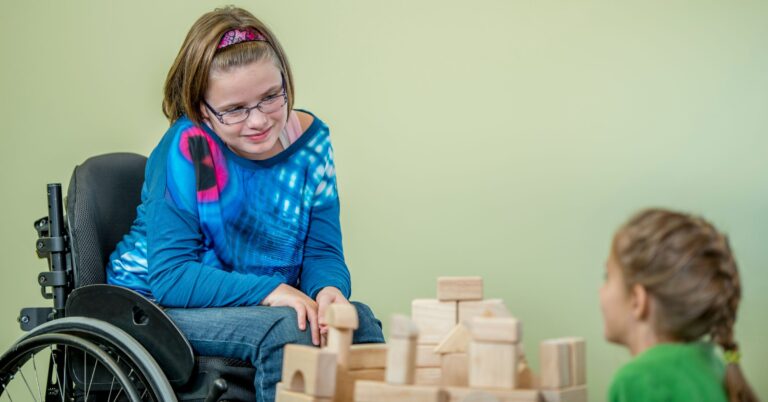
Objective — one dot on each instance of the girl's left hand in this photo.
(326, 297)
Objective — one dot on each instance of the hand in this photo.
(306, 308)
(326, 297)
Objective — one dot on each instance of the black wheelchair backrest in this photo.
(101, 206)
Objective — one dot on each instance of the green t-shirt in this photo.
(671, 372)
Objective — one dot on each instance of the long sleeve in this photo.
(323, 252)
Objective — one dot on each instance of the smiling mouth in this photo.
(258, 136)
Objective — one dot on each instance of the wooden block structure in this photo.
(458, 288)
(563, 370)
(309, 370)
(493, 352)
(456, 348)
(401, 357)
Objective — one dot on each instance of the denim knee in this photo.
(369, 327)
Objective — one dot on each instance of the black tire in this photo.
(135, 360)
(15, 363)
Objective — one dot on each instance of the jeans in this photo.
(257, 334)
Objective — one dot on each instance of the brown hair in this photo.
(687, 266)
(187, 79)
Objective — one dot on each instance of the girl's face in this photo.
(615, 303)
(244, 87)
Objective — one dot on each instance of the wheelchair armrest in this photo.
(140, 318)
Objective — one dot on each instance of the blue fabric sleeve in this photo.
(175, 244)
(323, 254)
(178, 278)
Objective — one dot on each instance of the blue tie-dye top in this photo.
(216, 229)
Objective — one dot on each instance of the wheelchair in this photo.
(101, 342)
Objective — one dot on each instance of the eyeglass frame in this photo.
(220, 115)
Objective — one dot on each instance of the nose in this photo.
(256, 119)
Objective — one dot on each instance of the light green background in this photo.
(506, 139)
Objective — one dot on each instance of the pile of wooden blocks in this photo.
(456, 348)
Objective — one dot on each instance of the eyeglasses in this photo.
(270, 104)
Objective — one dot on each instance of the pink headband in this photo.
(235, 36)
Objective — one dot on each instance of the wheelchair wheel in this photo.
(36, 369)
(144, 373)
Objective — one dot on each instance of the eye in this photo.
(235, 110)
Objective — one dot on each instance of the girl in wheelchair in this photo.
(238, 232)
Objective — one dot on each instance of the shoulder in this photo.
(305, 119)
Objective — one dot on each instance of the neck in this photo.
(643, 338)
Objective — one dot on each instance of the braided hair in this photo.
(688, 267)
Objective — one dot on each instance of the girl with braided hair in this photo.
(670, 296)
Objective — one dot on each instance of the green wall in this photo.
(506, 139)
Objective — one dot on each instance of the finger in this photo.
(322, 306)
(301, 315)
(312, 316)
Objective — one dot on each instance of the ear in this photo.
(640, 302)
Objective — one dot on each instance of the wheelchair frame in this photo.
(137, 346)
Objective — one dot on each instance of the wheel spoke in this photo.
(37, 377)
(93, 374)
(23, 377)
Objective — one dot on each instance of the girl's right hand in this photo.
(306, 308)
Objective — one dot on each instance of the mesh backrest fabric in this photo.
(101, 205)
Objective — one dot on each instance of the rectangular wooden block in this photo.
(455, 370)
(339, 341)
(401, 361)
(434, 318)
(471, 309)
(459, 288)
(578, 351)
(373, 391)
(573, 394)
(368, 374)
(428, 375)
(288, 396)
(496, 329)
(492, 365)
(346, 380)
(309, 370)
(368, 356)
(426, 356)
(555, 363)
(462, 394)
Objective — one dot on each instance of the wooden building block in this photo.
(368, 374)
(309, 370)
(426, 356)
(288, 396)
(401, 361)
(457, 341)
(496, 329)
(339, 315)
(573, 394)
(373, 391)
(455, 370)
(401, 326)
(555, 363)
(434, 318)
(428, 375)
(471, 309)
(368, 356)
(492, 365)
(578, 352)
(459, 288)
(339, 341)
(462, 394)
